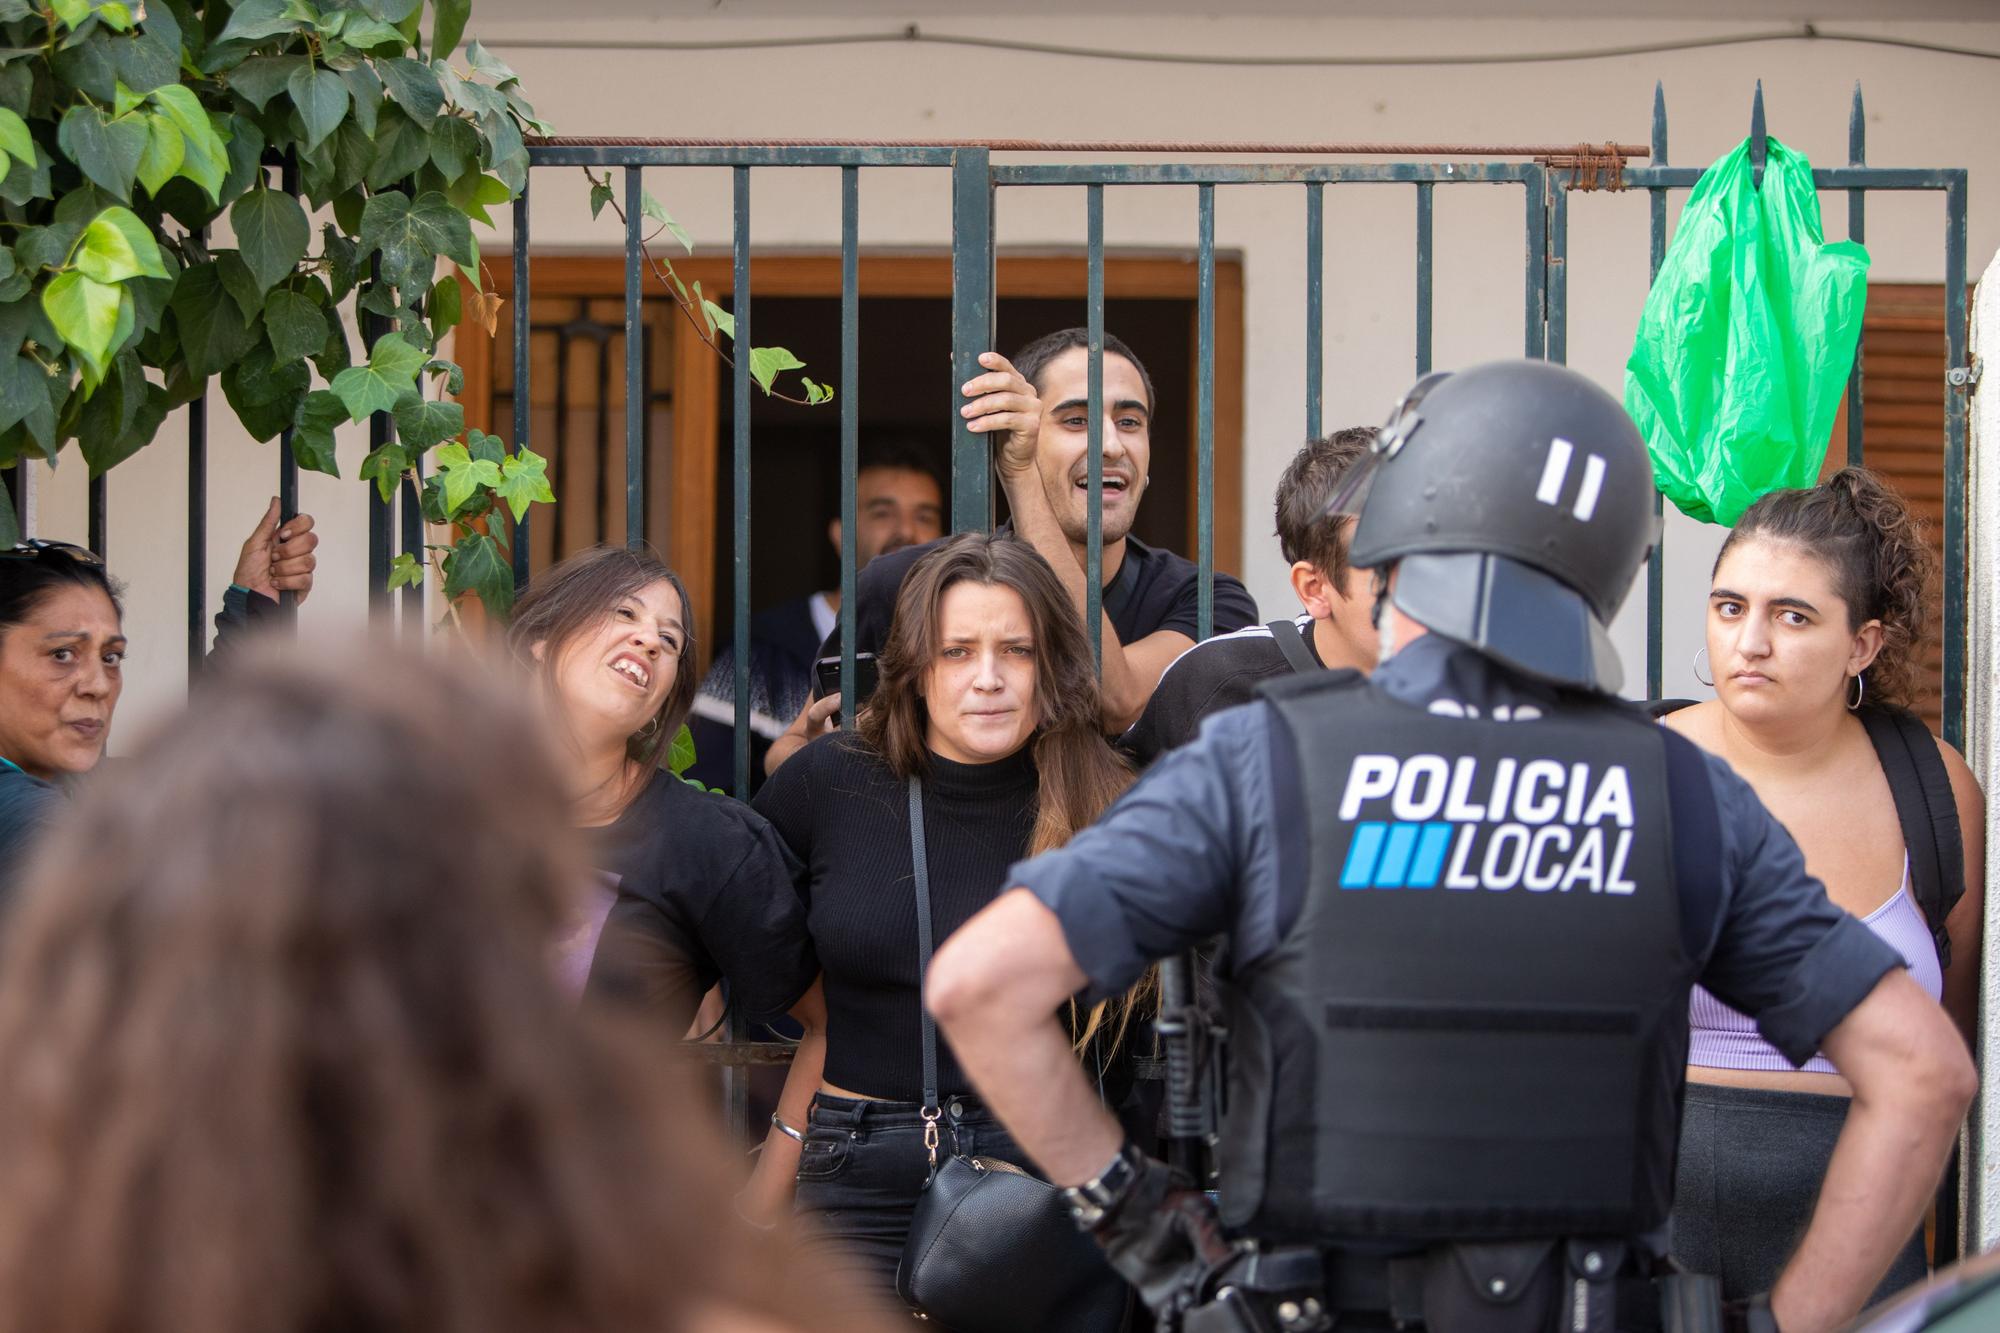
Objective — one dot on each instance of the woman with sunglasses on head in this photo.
(1816, 619)
(62, 656)
(694, 886)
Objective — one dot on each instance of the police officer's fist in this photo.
(1163, 1238)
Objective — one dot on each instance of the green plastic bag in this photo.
(1746, 340)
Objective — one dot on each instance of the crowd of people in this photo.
(331, 1007)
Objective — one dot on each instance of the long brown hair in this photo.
(573, 596)
(1879, 555)
(1077, 772)
(282, 1053)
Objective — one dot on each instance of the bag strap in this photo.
(1292, 644)
(1928, 813)
(920, 862)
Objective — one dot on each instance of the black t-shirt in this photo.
(705, 892)
(844, 813)
(1209, 677)
(1153, 590)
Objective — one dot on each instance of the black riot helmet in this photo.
(1515, 500)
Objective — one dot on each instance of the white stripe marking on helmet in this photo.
(1593, 482)
(1554, 471)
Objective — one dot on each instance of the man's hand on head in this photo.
(1004, 403)
(278, 557)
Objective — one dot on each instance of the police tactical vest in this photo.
(1477, 1027)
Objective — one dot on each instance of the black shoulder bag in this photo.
(991, 1248)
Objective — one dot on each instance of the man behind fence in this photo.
(1466, 898)
(1036, 406)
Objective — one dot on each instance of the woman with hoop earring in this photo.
(695, 887)
(1816, 618)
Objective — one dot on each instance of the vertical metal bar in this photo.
(100, 513)
(635, 368)
(1953, 702)
(1093, 565)
(197, 502)
(1857, 231)
(1537, 259)
(735, 1078)
(561, 457)
(1315, 302)
(1558, 348)
(739, 305)
(1424, 260)
(1656, 574)
(411, 496)
(380, 432)
(523, 360)
(1204, 411)
(850, 419)
(602, 511)
(971, 329)
(288, 463)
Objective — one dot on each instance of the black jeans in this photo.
(861, 1170)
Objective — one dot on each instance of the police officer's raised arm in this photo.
(1816, 978)
(1160, 872)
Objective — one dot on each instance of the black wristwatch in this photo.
(1097, 1198)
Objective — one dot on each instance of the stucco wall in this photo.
(1925, 109)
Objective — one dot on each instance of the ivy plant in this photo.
(129, 130)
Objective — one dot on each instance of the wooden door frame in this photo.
(692, 474)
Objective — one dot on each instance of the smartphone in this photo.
(827, 670)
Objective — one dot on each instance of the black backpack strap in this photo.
(1293, 645)
(1927, 811)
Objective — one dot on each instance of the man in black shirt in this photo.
(1334, 631)
(1037, 406)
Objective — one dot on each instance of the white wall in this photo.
(1925, 109)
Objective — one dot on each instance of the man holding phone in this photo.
(1036, 407)
(897, 504)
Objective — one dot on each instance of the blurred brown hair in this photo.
(573, 596)
(282, 1054)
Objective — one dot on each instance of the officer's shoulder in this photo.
(1297, 686)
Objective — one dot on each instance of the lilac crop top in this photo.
(1723, 1038)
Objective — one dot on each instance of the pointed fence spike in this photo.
(1659, 145)
(1857, 131)
(1758, 145)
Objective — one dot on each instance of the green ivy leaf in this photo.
(717, 317)
(767, 363)
(23, 390)
(260, 78)
(491, 448)
(410, 234)
(385, 467)
(412, 85)
(600, 195)
(391, 370)
(254, 20)
(124, 101)
(343, 259)
(365, 91)
(462, 475)
(652, 208)
(213, 331)
(401, 147)
(448, 26)
(116, 246)
(447, 305)
(524, 480)
(206, 160)
(475, 565)
(272, 232)
(391, 11)
(241, 284)
(321, 97)
(295, 326)
(454, 147)
(15, 141)
(85, 315)
(484, 62)
(166, 148)
(364, 33)
(422, 422)
(107, 151)
(405, 571)
(71, 12)
(266, 396)
(680, 752)
(320, 412)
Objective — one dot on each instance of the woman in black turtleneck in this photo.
(989, 696)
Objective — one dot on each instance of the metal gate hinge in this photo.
(1964, 377)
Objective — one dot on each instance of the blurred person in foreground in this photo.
(284, 1053)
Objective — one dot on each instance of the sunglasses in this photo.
(34, 548)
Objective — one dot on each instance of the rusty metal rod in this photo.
(1569, 150)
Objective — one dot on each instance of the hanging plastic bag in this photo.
(1746, 339)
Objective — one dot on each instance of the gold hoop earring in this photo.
(1695, 666)
(1860, 692)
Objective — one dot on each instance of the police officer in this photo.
(1465, 902)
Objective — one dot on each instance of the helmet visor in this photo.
(1512, 613)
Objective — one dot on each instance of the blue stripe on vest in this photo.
(1396, 856)
(1359, 873)
(1429, 863)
